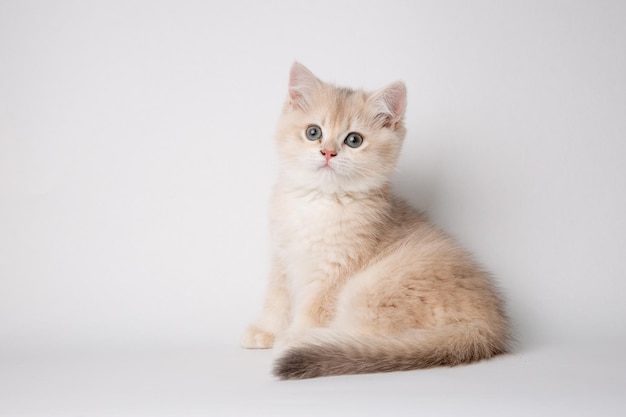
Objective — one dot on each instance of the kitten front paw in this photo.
(257, 338)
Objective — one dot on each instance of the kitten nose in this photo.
(328, 153)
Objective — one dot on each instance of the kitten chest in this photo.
(316, 237)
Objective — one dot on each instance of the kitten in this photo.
(360, 282)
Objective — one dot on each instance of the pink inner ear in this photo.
(390, 103)
(398, 99)
(302, 83)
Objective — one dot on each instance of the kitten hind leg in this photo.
(315, 303)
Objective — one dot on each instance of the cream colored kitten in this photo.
(361, 282)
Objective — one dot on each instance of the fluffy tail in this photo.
(328, 353)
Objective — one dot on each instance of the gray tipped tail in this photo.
(314, 361)
(417, 350)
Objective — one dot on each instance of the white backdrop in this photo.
(136, 156)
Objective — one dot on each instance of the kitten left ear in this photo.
(389, 104)
(302, 85)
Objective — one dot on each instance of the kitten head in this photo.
(338, 140)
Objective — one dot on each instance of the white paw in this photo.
(257, 338)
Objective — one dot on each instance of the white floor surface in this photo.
(227, 381)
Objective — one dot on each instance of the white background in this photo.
(136, 161)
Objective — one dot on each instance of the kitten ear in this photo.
(302, 85)
(389, 104)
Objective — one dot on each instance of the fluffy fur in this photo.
(360, 281)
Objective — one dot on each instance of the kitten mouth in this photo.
(326, 173)
(326, 167)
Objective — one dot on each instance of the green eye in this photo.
(353, 140)
(313, 132)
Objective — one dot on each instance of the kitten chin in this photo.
(360, 281)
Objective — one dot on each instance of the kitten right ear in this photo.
(389, 104)
(302, 85)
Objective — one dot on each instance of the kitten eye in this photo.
(353, 140)
(313, 132)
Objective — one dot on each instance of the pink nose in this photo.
(328, 154)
